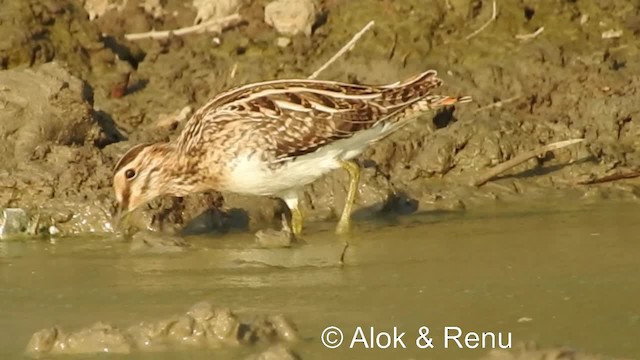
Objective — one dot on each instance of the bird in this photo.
(272, 138)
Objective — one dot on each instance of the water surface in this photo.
(556, 274)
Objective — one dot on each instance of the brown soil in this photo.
(67, 124)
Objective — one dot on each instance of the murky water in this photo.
(562, 275)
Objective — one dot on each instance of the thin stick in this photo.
(493, 18)
(221, 23)
(519, 159)
(530, 36)
(498, 103)
(613, 177)
(344, 49)
(234, 69)
(344, 253)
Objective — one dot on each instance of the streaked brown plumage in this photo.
(273, 137)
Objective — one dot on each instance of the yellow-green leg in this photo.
(296, 221)
(291, 199)
(344, 224)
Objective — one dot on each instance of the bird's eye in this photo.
(130, 174)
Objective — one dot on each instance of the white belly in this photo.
(250, 175)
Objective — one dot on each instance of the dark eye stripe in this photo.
(126, 194)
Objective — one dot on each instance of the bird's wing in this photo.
(296, 117)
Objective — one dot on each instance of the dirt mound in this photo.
(539, 73)
(52, 147)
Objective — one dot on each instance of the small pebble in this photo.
(53, 230)
(612, 34)
(215, 9)
(584, 18)
(283, 42)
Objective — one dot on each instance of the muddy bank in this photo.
(566, 81)
(52, 164)
(203, 326)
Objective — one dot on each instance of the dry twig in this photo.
(498, 104)
(234, 70)
(612, 177)
(213, 25)
(344, 49)
(519, 159)
(494, 14)
(530, 36)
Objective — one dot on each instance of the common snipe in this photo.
(272, 138)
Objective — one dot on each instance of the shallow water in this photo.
(565, 274)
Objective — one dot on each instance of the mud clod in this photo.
(203, 326)
(215, 9)
(291, 17)
(99, 337)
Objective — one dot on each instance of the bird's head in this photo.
(140, 176)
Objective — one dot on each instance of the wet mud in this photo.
(203, 326)
(75, 94)
(575, 78)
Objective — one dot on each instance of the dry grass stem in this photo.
(234, 70)
(519, 159)
(498, 104)
(213, 25)
(613, 177)
(494, 14)
(344, 49)
(530, 36)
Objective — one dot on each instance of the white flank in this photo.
(252, 176)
